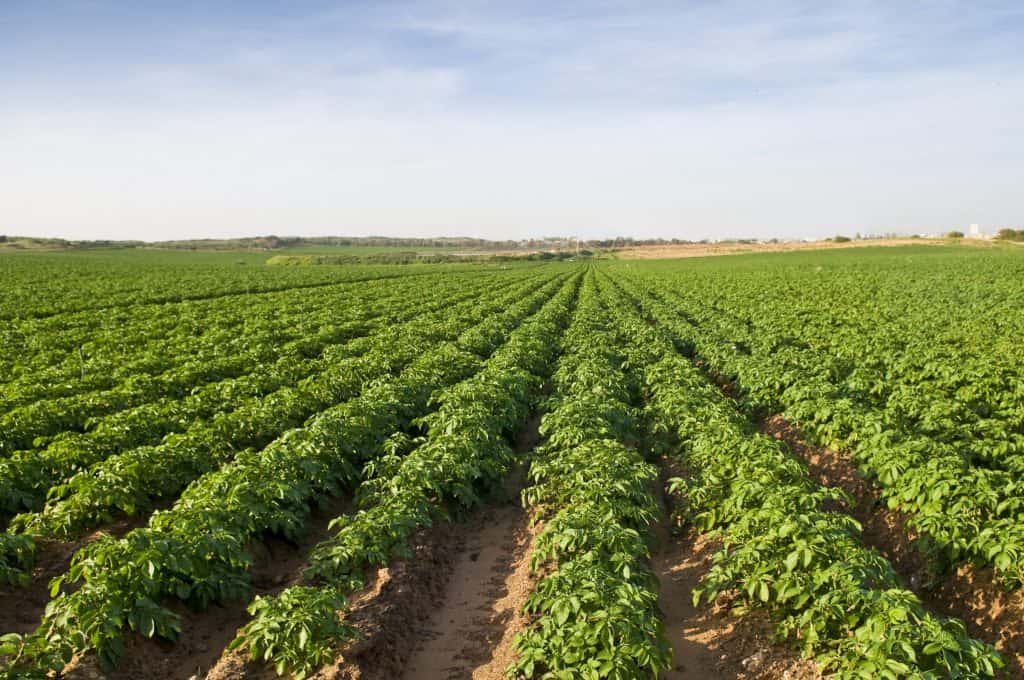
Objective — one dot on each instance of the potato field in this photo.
(792, 465)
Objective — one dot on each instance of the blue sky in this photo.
(507, 120)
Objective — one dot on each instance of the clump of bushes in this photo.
(1010, 234)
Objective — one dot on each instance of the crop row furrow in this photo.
(172, 370)
(960, 510)
(942, 391)
(134, 481)
(197, 291)
(50, 361)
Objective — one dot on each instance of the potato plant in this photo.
(134, 480)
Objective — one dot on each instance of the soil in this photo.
(479, 613)
(484, 585)
(453, 605)
(387, 612)
(662, 252)
(394, 611)
(470, 633)
(507, 613)
(990, 612)
(710, 641)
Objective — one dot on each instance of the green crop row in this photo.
(228, 345)
(594, 609)
(52, 361)
(27, 478)
(134, 480)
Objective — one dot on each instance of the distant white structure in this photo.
(974, 231)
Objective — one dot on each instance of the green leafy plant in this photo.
(299, 630)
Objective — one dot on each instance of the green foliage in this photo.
(926, 403)
(403, 388)
(465, 449)
(299, 630)
(196, 551)
(595, 611)
(1010, 234)
(783, 550)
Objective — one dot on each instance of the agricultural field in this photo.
(781, 465)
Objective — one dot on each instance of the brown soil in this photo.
(395, 610)
(484, 587)
(506, 618)
(21, 607)
(710, 641)
(387, 612)
(469, 634)
(428, 616)
(970, 594)
(664, 252)
(507, 611)
(276, 564)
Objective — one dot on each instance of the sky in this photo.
(754, 119)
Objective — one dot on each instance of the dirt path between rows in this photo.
(487, 585)
(470, 634)
(708, 641)
(507, 613)
(452, 607)
(990, 612)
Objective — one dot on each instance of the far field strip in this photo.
(199, 296)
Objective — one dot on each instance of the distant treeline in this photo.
(1010, 234)
(289, 242)
(467, 246)
(419, 258)
(294, 242)
(34, 243)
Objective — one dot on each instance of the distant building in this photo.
(974, 231)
